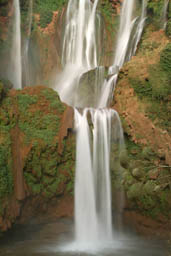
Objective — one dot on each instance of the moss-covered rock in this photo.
(30, 136)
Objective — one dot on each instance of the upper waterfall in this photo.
(126, 24)
(80, 44)
(26, 66)
(15, 64)
(80, 51)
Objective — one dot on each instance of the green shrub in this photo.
(168, 28)
(46, 8)
(165, 59)
(46, 18)
(6, 179)
(155, 10)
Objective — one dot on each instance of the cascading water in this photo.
(15, 64)
(126, 24)
(79, 52)
(123, 52)
(139, 30)
(164, 16)
(93, 213)
(85, 201)
(26, 66)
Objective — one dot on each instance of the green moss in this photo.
(142, 88)
(6, 123)
(135, 191)
(165, 60)
(6, 179)
(46, 8)
(156, 90)
(37, 124)
(168, 26)
(54, 99)
(155, 11)
(147, 202)
(24, 101)
(36, 189)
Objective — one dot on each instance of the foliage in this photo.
(165, 59)
(155, 9)
(24, 101)
(46, 8)
(156, 90)
(3, 7)
(146, 190)
(3, 2)
(37, 112)
(6, 180)
(168, 27)
(45, 171)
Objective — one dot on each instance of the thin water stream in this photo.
(26, 62)
(15, 68)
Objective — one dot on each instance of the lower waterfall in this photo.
(93, 213)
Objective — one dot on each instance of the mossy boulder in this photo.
(135, 190)
(138, 173)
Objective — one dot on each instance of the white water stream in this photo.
(26, 66)
(126, 45)
(95, 127)
(164, 16)
(79, 53)
(15, 64)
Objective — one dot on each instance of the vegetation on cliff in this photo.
(143, 101)
(38, 151)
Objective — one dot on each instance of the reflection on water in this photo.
(51, 239)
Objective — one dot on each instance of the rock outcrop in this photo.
(37, 152)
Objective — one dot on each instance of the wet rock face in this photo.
(37, 150)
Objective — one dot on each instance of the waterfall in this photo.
(93, 213)
(139, 30)
(125, 29)
(164, 16)
(26, 67)
(79, 46)
(126, 45)
(98, 129)
(15, 64)
(79, 53)
(85, 203)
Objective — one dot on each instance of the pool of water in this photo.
(56, 239)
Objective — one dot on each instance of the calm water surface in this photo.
(55, 239)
